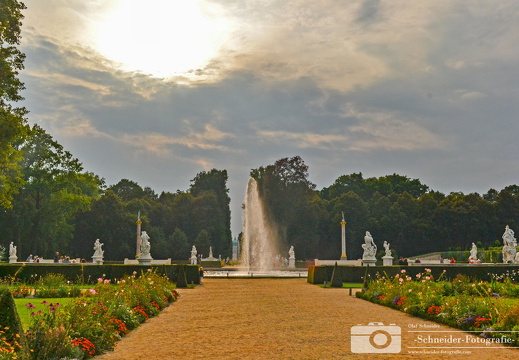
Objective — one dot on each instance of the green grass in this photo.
(346, 285)
(25, 314)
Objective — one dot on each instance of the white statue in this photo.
(193, 256)
(370, 249)
(98, 251)
(473, 252)
(12, 249)
(509, 246)
(291, 253)
(145, 245)
(211, 253)
(386, 246)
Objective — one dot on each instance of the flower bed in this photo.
(460, 303)
(93, 322)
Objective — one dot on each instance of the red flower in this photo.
(85, 345)
(121, 326)
(435, 310)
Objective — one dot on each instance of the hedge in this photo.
(318, 274)
(88, 273)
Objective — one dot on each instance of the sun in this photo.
(162, 38)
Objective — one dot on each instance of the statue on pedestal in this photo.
(370, 249)
(12, 253)
(473, 253)
(12, 249)
(388, 250)
(291, 253)
(193, 255)
(98, 251)
(509, 246)
(145, 245)
(291, 258)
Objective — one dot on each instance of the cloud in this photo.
(427, 89)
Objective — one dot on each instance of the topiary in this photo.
(10, 323)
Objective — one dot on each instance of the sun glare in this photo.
(162, 38)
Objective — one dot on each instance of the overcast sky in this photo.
(156, 91)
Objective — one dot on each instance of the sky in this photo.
(157, 91)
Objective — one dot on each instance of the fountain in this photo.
(259, 245)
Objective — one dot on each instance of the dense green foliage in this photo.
(394, 208)
(12, 121)
(63, 208)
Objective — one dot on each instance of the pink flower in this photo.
(135, 273)
(107, 281)
(427, 278)
(427, 270)
(418, 275)
(402, 271)
(100, 280)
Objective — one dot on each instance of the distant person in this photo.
(417, 261)
(441, 259)
(29, 258)
(453, 261)
(201, 275)
(56, 257)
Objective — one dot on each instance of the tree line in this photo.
(63, 208)
(404, 212)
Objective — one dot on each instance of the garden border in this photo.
(88, 273)
(318, 274)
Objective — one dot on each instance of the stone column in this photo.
(343, 232)
(138, 246)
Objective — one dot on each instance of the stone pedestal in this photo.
(291, 263)
(145, 260)
(13, 259)
(387, 260)
(98, 260)
(369, 261)
(193, 260)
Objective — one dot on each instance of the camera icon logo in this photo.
(376, 338)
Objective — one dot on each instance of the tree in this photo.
(12, 120)
(128, 190)
(214, 183)
(108, 221)
(56, 188)
(287, 195)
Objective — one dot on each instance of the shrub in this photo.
(10, 326)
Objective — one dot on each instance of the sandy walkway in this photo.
(276, 319)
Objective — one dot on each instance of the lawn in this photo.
(25, 313)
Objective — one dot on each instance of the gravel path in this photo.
(278, 319)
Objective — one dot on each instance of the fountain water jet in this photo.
(259, 243)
